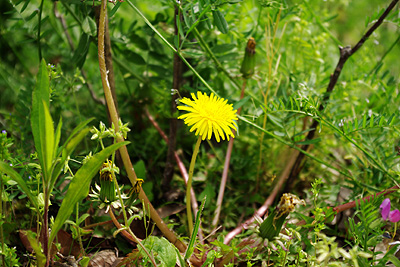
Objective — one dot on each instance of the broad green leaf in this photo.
(47, 141)
(41, 94)
(76, 130)
(220, 21)
(17, 178)
(135, 58)
(57, 136)
(140, 169)
(33, 241)
(79, 187)
(162, 250)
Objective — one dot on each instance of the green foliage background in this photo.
(364, 105)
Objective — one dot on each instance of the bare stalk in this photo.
(226, 169)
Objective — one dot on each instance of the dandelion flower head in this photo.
(208, 115)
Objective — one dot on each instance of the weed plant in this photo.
(312, 90)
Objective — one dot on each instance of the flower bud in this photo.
(271, 227)
(107, 186)
(134, 192)
(249, 60)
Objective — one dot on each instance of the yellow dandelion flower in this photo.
(208, 115)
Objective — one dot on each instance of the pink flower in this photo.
(394, 215)
(385, 208)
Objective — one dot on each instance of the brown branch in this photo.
(108, 59)
(352, 204)
(119, 226)
(345, 54)
(176, 83)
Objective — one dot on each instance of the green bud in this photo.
(249, 60)
(271, 227)
(107, 186)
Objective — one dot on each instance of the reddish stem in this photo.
(119, 226)
(352, 204)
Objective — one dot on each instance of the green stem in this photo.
(189, 184)
(78, 229)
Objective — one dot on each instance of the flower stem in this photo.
(189, 184)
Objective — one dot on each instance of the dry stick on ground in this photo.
(345, 54)
(176, 84)
(182, 169)
(123, 150)
(71, 45)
